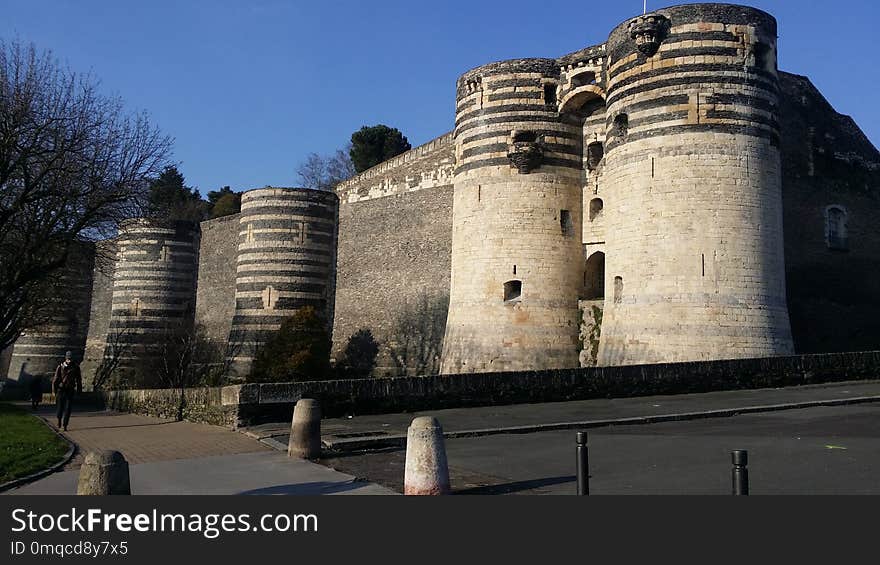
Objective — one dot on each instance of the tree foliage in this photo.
(299, 351)
(170, 198)
(73, 164)
(372, 145)
(358, 359)
(324, 172)
(226, 205)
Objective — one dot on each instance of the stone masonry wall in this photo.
(242, 405)
(828, 161)
(215, 289)
(393, 262)
(393, 277)
(99, 315)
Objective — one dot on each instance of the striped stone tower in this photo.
(694, 265)
(38, 352)
(153, 291)
(286, 260)
(516, 228)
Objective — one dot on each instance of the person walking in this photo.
(36, 386)
(66, 383)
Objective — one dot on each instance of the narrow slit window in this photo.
(512, 291)
(618, 290)
(835, 228)
(550, 94)
(565, 222)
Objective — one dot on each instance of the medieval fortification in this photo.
(668, 195)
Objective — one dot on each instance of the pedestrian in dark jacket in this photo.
(36, 386)
(66, 383)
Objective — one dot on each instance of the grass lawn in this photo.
(26, 444)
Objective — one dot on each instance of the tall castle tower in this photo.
(516, 234)
(39, 351)
(154, 291)
(694, 266)
(286, 260)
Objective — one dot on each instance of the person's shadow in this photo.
(320, 487)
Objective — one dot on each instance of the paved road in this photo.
(338, 431)
(825, 450)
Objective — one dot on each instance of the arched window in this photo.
(835, 227)
(594, 277)
(596, 207)
(583, 79)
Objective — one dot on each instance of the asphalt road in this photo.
(823, 450)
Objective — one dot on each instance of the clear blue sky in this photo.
(249, 88)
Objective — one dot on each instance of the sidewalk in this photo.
(389, 430)
(144, 439)
(169, 457)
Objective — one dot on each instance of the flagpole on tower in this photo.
(644, 6)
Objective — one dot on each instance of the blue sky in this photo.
(249, 88)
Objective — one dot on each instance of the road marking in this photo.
(834, 447)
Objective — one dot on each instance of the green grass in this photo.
(26, 444)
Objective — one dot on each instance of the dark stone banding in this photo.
(574, 150)
(503, 161)
(706, 81)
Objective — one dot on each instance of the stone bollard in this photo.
(305, 430)
(426, 471)
(104, 472)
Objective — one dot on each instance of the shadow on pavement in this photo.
(506, 488)
(320, 487)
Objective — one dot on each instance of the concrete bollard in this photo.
(305, 430)
(426, 471)
(102, 473)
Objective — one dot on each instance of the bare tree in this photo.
(185, 358)
(72, 165)
(115, 349)
(324, 172)
(416, 340)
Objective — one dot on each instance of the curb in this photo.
(384, 442)
(71, 451)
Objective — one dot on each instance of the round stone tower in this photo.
(694, 264)
(154, 288)
(38, 352)
(286, 260)
(516, 228)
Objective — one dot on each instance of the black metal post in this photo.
(583, 467)
(740, 473)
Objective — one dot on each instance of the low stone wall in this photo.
(267, 402)
(248, 404)
(218, 405)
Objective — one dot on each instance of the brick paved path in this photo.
(144, 439)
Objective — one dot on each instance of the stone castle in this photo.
(666, 196)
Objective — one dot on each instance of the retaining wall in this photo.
(247, 404)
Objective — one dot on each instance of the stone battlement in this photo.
(425, 166)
